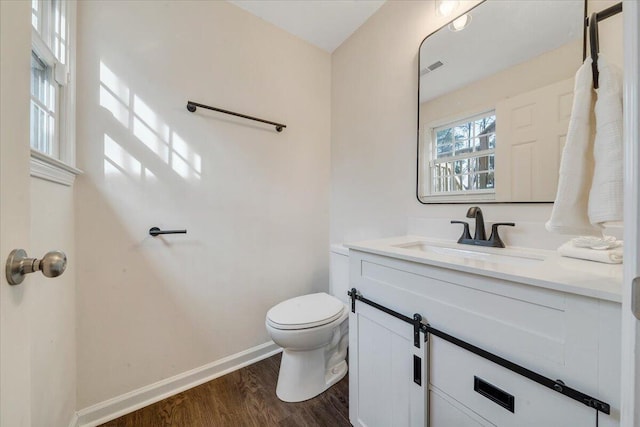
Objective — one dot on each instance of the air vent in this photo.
(431, 68)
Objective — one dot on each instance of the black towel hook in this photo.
(595, 47)
(594, 41)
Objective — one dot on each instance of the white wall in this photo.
(374, 123)
(373, 139)
(255, 202)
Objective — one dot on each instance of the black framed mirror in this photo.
(495, 96)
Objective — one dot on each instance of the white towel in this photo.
(569, 214)
(609, 256)
(605, 198)
(600, 243)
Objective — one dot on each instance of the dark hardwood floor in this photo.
(246, 397)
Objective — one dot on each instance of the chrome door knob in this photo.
(52, 264)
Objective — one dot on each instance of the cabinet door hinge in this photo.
(417, 327)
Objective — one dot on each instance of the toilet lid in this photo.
(306, 311)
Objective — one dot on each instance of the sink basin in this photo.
(501, 256)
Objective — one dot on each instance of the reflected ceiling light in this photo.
(446, 7)
(460, 23)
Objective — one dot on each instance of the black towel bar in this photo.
(192, 106)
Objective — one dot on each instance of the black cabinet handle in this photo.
(494, 394)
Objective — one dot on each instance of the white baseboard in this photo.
(74, 420)
(118, 406)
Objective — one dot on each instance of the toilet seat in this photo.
(304, 312)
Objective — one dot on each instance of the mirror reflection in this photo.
(495, 95)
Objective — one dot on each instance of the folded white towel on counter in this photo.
(599, 243)
(570, 210)
(609, 256)
(605, 198)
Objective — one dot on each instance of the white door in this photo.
(630, 416)
(531, 141)
(15, 48)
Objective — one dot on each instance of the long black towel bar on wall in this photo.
(420, 326)
(155, 231)
(192, 106)
(594, 42)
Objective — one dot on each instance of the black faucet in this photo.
(479, 235)
(476, 212)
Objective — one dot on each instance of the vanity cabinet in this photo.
(560, 335)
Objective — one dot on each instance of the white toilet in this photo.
(313, 332)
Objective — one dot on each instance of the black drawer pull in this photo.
(417, 370)
(493, 393)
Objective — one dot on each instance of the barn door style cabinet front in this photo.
(550, 358)
(388, 374)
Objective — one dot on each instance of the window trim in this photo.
(60, 170)
(51, 169)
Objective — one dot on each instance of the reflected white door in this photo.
(630, 416)
(15, 49)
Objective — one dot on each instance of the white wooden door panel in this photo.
(381, 363)
(15, 371)
(530, 132)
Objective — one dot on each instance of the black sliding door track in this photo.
(419, 326)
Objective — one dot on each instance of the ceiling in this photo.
(500, 35)
(323, 23)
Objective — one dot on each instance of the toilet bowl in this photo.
(313, 332)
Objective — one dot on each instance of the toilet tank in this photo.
(339, 267)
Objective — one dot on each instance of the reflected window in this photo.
(463, 156)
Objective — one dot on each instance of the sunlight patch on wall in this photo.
(184, 161)
(149, 176)
(111, 103)
(114, 95)
(109, 80)
(148, 127)
(118, 161)
(150, 139)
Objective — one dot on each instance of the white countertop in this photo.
(545, 269)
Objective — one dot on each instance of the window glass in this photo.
(59, 31)
(43, 102)
(49, 56)
(463, 159)
(36, 14)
